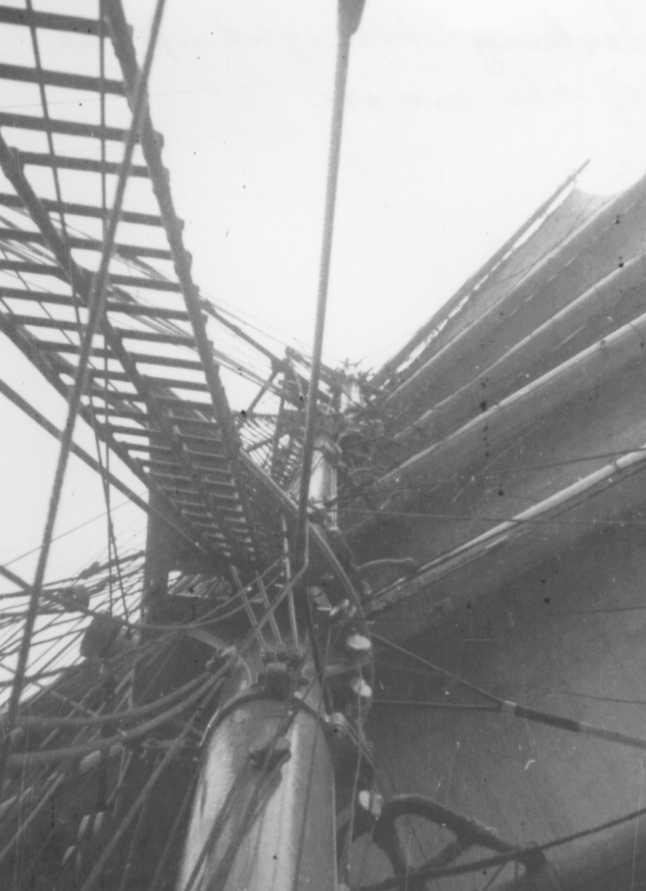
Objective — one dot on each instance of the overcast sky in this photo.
(462, 117)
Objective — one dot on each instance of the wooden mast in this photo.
(264, 813)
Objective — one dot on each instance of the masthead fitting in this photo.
(350, 12)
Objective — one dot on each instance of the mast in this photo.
(264, 812)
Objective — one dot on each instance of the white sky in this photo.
(462, 117)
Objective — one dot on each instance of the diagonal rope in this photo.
(517, 710)
(97, 304)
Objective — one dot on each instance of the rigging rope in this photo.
(349, 16)
(109, 849)
(509, 707)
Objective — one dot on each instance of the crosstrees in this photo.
(186, 411)
(155, 392)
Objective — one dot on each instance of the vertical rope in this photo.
(349, 15)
